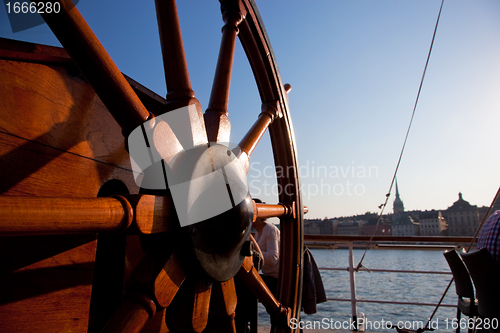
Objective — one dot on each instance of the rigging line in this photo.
(468, 249)
(65, 151)
(407, 131)
(484, 219)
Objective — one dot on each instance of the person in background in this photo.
(246, 313)
(489, 237)
(266, 244)
(267, 237)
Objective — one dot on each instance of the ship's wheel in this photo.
(186, 276)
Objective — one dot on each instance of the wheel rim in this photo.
(282, 136)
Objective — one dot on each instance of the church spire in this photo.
(398, 206)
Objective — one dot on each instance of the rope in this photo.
(406, 136)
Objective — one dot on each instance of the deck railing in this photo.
(383, 242)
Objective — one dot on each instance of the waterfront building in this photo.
(348, 228)
(432, 223)
(320, 227)
(462, 218)
(312, 227)
(383, 228)
(326, 226)
(404, 225)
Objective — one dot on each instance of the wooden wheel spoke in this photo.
(137, 307)
(165, 141)
(48, 215)
(280, 315)
(172, 46)
(222, 308)
(132, 314)
(179, 91)
(97, 66)
(264, 211)
(168, 281)
(249, 142)
(201, 305)
(223, 302)
(189, 310)
(216, 116)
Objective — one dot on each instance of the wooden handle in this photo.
(264, 211)
(52, 215)
(46, 215)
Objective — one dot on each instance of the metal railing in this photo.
(385, 242)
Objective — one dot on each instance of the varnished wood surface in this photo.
(54, 144)
(45, 283)
(56, 139)
(23, 51)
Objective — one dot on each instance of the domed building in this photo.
(462, 218)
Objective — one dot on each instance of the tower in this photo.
(398, 206)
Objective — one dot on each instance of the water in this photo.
(425, 288)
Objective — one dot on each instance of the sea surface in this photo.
(425, 288)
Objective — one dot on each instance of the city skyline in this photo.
(459, 219)
(390, 210)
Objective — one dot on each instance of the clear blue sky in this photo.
(355, 68)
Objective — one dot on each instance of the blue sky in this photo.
(355, 68)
